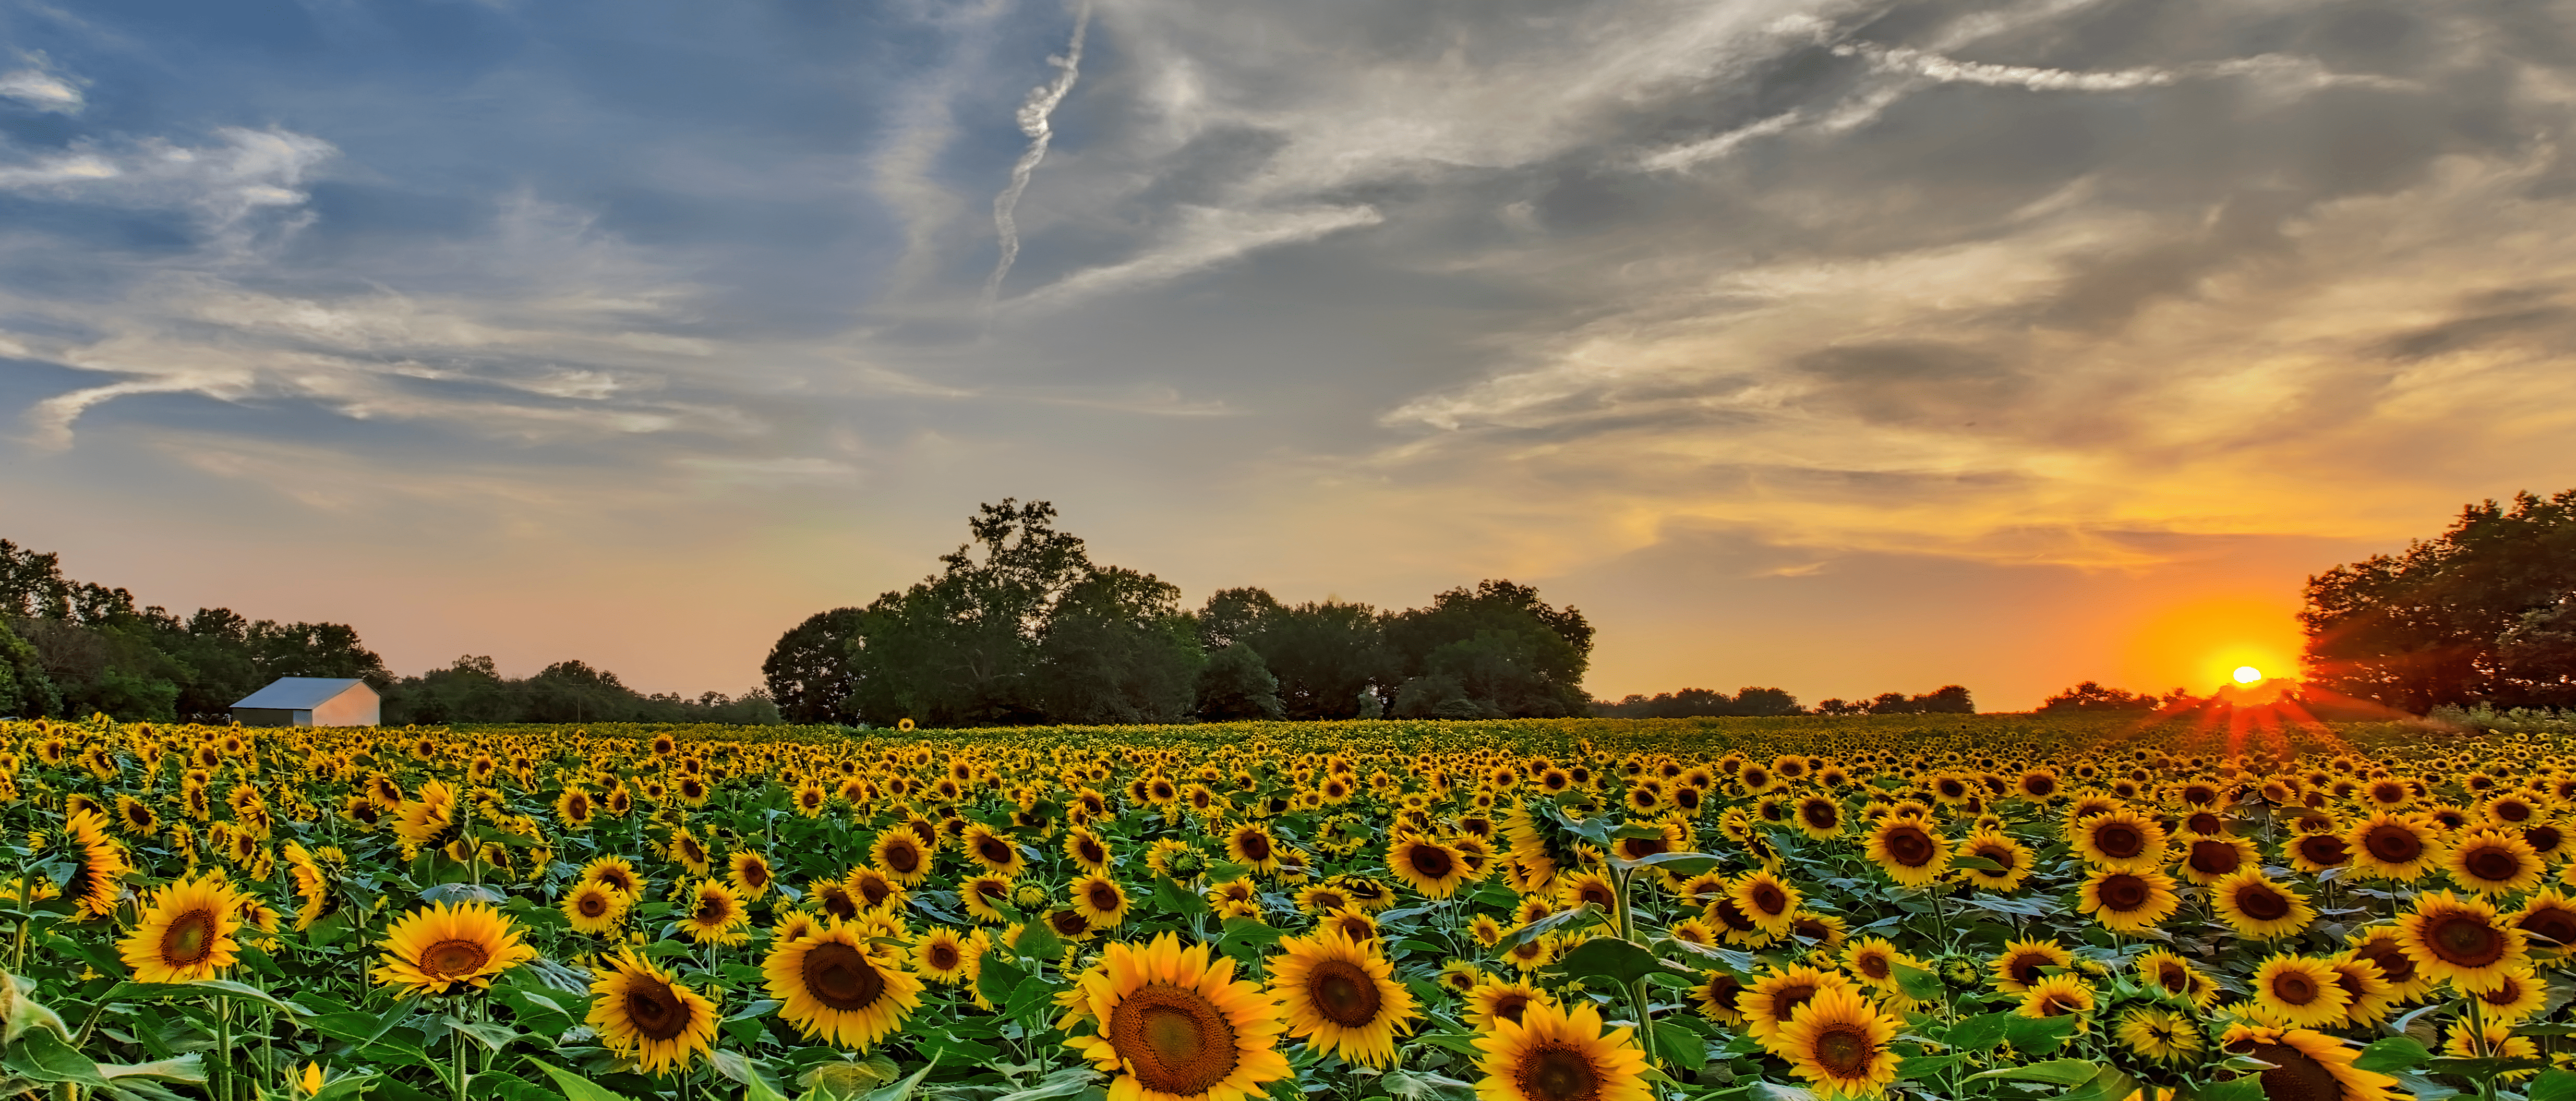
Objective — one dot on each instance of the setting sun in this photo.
(2247, 674)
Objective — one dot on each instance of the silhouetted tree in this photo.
(2479, 614)
(812, 670)
(2092, 696)
(1237, 684)
(1509, 652)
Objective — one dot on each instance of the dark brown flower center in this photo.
(1429, 861)
(1173, 1040)
(841, 977)
(2490, 864)
(2393, 844)
(1910, 846)
(2464, 939)
(655, 1008)
(2324, 850)
(1556, 1072)
(1254, 844)
(1843, 1050)
(2123, 893)
(190, 939)
(2294, 988)
(2294, 1076)
(1510, 1005)
(2119, 840)
(2262, 903)
(2215, 857)
(1343, 993)
(449, 959)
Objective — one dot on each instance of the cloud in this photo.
(42, 90)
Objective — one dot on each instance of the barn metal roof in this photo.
(299, 693)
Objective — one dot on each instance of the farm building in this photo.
(309, 701)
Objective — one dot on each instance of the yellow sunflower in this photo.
(984, 896)
(1100, 901)
(1087, 849)
(1341, 996)
(615, 872)
(1251, 845)
(2057, 996)
(2306, 1064)
(2021, 963)
(945, 956)
(1493, 1000)
(832, 984)
(2549, 919)
(186, 933)
(2493, 1041)
(439, 948)
(1769, 901)
(1426, 865)
(2259, 909)
(2299, 992)
(2126, 902)
(1909, 850)
(2011, 859)
(1841, 1044)
(2372, 996)
(1172, 1023)
(750, 875)
(1549, 1055)
(641, 1012)
(595, 908)
(2394, 846)
(2381, 946)
(2159, 1034)
(715, 914)
(2519, 994)
(899, 853)
(2460, 940)
(1773, 998)
(428, 820)
(2206, 859)
(998, 852)
(2493, 862)
(2121, 841)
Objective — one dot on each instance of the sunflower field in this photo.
(1540, 910)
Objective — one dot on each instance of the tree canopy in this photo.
(2483, 613)
(1020, 626)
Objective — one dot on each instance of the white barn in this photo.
(310, 701)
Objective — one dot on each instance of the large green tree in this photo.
(811, 672)
(2483, 613)
(1496, 646)
(960, 647)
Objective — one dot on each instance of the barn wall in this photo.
(359, 706)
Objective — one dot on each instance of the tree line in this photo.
(70, 649)
(1021, 627)
(1690, 703)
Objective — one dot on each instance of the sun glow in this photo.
(2247, 674)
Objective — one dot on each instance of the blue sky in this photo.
(1841, 346)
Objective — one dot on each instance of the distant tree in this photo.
(1835, 705)
(25, 691)
(812, 670)
(1234, 614)
(313, 650)
(32, 585)
(1326, 655)
(960, 648)
(1949, 699)
(1765, 701)
(1237, 684)
(2092, 696)
(1117, 649)
(2479, 614)
(1508, 650)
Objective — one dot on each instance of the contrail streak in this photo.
(1034, 112)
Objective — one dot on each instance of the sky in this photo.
(1843, 347)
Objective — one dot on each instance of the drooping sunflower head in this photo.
(98, 864)
(443, 949)
(833, 984)
(644, 1013)
(2159, 1035)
